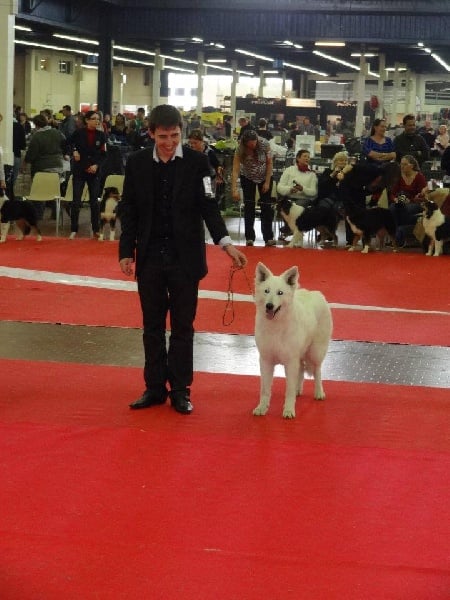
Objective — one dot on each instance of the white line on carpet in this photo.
(130, 286)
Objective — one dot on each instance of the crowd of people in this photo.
(76, 144)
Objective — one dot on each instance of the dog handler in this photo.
(166, 197)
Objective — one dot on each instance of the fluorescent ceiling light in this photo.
(267, 72)
(196, 39)
(51, 47)
(441, 61)
(301, 68)
(365, 54)
(216, 60)
(247, 53)
(335, 44)
(73, 38)
(335, 82)
(22, 28)
(337, 60)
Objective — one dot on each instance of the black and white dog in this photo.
(23, 213)
(300, 219)
(367, 222)
(108, 212)
(436, 226)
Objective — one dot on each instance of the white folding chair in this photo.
(45, 187)
(114, 181)
(68, 196)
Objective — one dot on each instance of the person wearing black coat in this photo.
(165, 202)
(88, 146)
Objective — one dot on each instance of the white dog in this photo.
(293, 328)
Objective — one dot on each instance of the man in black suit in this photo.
(166, 197)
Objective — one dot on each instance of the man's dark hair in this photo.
(40, 121)
(67, 107)
(408, 118)
(165, 116)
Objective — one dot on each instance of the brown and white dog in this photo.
(436, 226)
(23, 213)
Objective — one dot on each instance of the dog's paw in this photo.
(39, 238)
(365, 250)
(289, 413)
(260, 411)
(351, 249)
(19, 238)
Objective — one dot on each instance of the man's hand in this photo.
(238, 257)
(126, 266)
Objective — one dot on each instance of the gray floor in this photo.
(224, 353)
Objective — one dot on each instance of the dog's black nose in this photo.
(269, 306)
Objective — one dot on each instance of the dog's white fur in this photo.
(435, 247)
(293, 328)
(290, 219)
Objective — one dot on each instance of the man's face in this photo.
(166, 141)
(410, 126)
(196, 145)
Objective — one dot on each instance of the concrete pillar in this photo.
(201, 72)
(380, 88)
(261, 82)
(156, 79)
(360, 96)
(105, 74)
(8, 10)
(233, 91)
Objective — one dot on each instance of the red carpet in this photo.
(348, 502)
(378, 280)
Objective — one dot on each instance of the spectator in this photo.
(2, 169)
(328, 183)
(89, 153)
(253, 164)
(227, 125)
(406, 196)
(298, 182)
(359, 180)
(68, 124)
(377, 147)
(197, 142)
(244, 125)
(25, 123)
(19, 144)
(119, 129)
(411, 143)
(45, 153)
(428, 134)
(442, 139)
(262, 130)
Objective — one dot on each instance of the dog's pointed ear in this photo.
(291, 276)
(262, 272)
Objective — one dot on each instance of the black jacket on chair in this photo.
(190, 208)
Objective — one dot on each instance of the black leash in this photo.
(229, 306)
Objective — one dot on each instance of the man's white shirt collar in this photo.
(177, 154)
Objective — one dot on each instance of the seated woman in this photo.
(377, 147)
(328, 183)
(119, 130)
(406, 196)
(298, 182)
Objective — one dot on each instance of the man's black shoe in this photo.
(149, 399)
(181, 402)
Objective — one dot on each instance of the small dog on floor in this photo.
(108, 212)
(23, 213)
(293, 328)
(367, 222)
(300, 219)
(436, 226)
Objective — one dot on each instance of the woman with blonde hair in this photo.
(328, 182)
